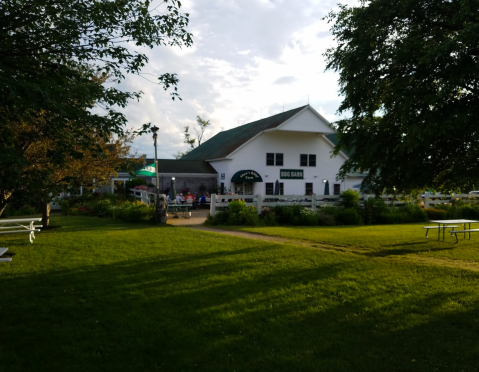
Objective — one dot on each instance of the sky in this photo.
(250, 59)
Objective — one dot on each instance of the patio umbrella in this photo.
(173, 191)
(326, 188)
(276, 188)
(149, 171)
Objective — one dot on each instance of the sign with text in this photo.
(291, 174)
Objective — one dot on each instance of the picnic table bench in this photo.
(455, 232)
(20, 225)
(437, 227)
(4, 259)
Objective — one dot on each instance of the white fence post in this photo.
(259, 203)
(212, 205)
(426, 200)
(313, 202)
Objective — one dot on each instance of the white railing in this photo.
(146, 197)
(259, 201)
(314, 201)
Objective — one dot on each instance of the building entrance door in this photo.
(244, 188)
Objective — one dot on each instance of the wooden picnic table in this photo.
(20, 225)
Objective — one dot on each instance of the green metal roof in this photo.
(184, 166)
(224, 143)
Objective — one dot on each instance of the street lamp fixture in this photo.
(324, 181)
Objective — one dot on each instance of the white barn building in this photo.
(293, 147)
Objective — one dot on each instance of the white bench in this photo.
(20, 225)
(4, 259)
(439, 227)
(455, 232)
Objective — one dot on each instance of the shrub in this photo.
(414, 213)
(436, 214)
(220, 218)
(349, 216)
(237, 214)
(308, 217)
(241, 215)
(288, 215)
(373, 209)
(25, 210)
(65, 207)
(470, 211)
(349, 198)
(326, 219)
(268, 217)
(136, 212)
(103, 209)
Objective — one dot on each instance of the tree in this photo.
(201, 126)
(43, 179)
(409, 75)
(51, 52)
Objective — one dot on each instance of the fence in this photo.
(313, 201)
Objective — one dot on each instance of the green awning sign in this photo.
(246, 176)
(291, 174)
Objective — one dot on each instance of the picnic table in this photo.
(20, 225)
(175, 208)
(444, 224)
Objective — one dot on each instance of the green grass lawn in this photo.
(102, 295)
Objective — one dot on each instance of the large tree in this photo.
(409, 75)
(52, 51)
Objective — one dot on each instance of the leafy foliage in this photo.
(409, 76)
(194, 140)
(349, 198)
(54, 57)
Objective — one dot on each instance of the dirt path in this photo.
(429, 261)
(242, 234)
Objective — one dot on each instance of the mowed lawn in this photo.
(102, 295)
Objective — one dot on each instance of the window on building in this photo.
(269, 188)
(307, 160)
(337, 189)
(274, 159)
(309, 188)
(269, 158)
(279, 159)
(303, 160)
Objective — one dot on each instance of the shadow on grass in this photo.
(242, 310)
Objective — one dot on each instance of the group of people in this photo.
(195, 199)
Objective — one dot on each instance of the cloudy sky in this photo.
(249, 59)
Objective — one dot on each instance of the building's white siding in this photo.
(307, 121)
(291, 144)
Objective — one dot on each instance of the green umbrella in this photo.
(149, 171)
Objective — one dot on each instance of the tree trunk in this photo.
(45, 215)
(4, 195)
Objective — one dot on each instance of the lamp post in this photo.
(158, 211)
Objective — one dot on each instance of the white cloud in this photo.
(249, 58)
